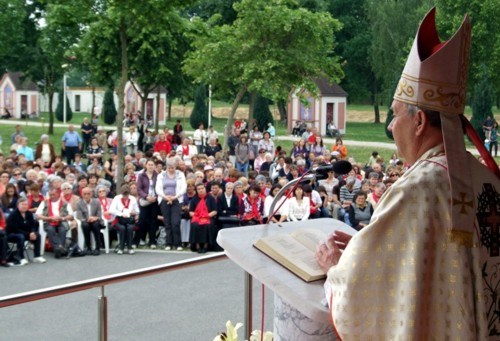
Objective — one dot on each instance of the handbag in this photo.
(144, 202)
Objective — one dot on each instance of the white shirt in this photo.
(118, 209)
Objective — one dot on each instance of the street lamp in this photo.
(64, 66)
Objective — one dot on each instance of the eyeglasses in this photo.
(68, 188)
(393, 174)
(16, 174)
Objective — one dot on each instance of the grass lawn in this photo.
(356, 131)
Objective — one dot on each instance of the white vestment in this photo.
(404, 278)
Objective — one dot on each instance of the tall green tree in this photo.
(200, 109)
(12, 15)
(108, 107)
(60, 108)
(354, 48)
(262, 113)
(485, 44)
(483, 101)
(393, 27)
(122, 23)
(272, 47)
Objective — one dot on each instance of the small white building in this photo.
(80, 100)
(18, 95)
(329, 106)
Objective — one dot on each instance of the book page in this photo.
(292, 251)
(310, 238)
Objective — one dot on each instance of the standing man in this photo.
(426, 267)
(18, 132)
(87, 131)
(71, 143)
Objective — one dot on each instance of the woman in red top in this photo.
(252, 207)
(202, 210)
(162, 144)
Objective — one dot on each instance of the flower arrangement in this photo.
(231, 334)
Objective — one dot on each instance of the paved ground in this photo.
(189, 304)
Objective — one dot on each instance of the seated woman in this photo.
(228, 207)
(340, 148)
(34, 197)
(124, 206)
(202, 210)
(8, 200)
(252, 207)
(374, 197)
(281, 206)
(298, 206)
(360, 211)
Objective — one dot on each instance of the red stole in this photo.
(51, 213)
(255, 213)
(30, 201)
(201, 216)
(185, 150)
(125, 202)
(3, 223)
(68, 197)
(104, 205)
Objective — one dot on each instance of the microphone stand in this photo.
(293, 183)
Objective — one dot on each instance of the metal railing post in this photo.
(102, 315)
(248, 304)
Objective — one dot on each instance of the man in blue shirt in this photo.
(71, 144)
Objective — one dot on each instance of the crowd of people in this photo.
(178, 191)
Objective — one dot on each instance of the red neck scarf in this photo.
(30, 200)
(125, 202)
(201, 212)
(67, 197)
(51, 213)
(185, 150)
(255, 213)
(104, 205)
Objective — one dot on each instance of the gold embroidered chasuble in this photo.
(404, 278)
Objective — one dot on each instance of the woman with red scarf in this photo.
(202, 210)
(252, 207)
(102, 195)
(126, 210)
(374, 197)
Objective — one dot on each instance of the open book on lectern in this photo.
(295, 251)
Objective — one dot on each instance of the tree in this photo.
(200, 109)
(60, 108)
(483, 101)
(388, 120)
(119, 23)
(262, 114)
(485, 46)
(272, 47)
(12, 15)
(108, 107)
(393, 26)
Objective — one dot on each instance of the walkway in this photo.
(328, 140)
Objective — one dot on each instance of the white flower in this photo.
(231, 332)
(256, 334)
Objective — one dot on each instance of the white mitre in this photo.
(435, 78)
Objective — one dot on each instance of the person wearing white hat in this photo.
(427, 264)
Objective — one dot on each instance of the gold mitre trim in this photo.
(436, 80)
